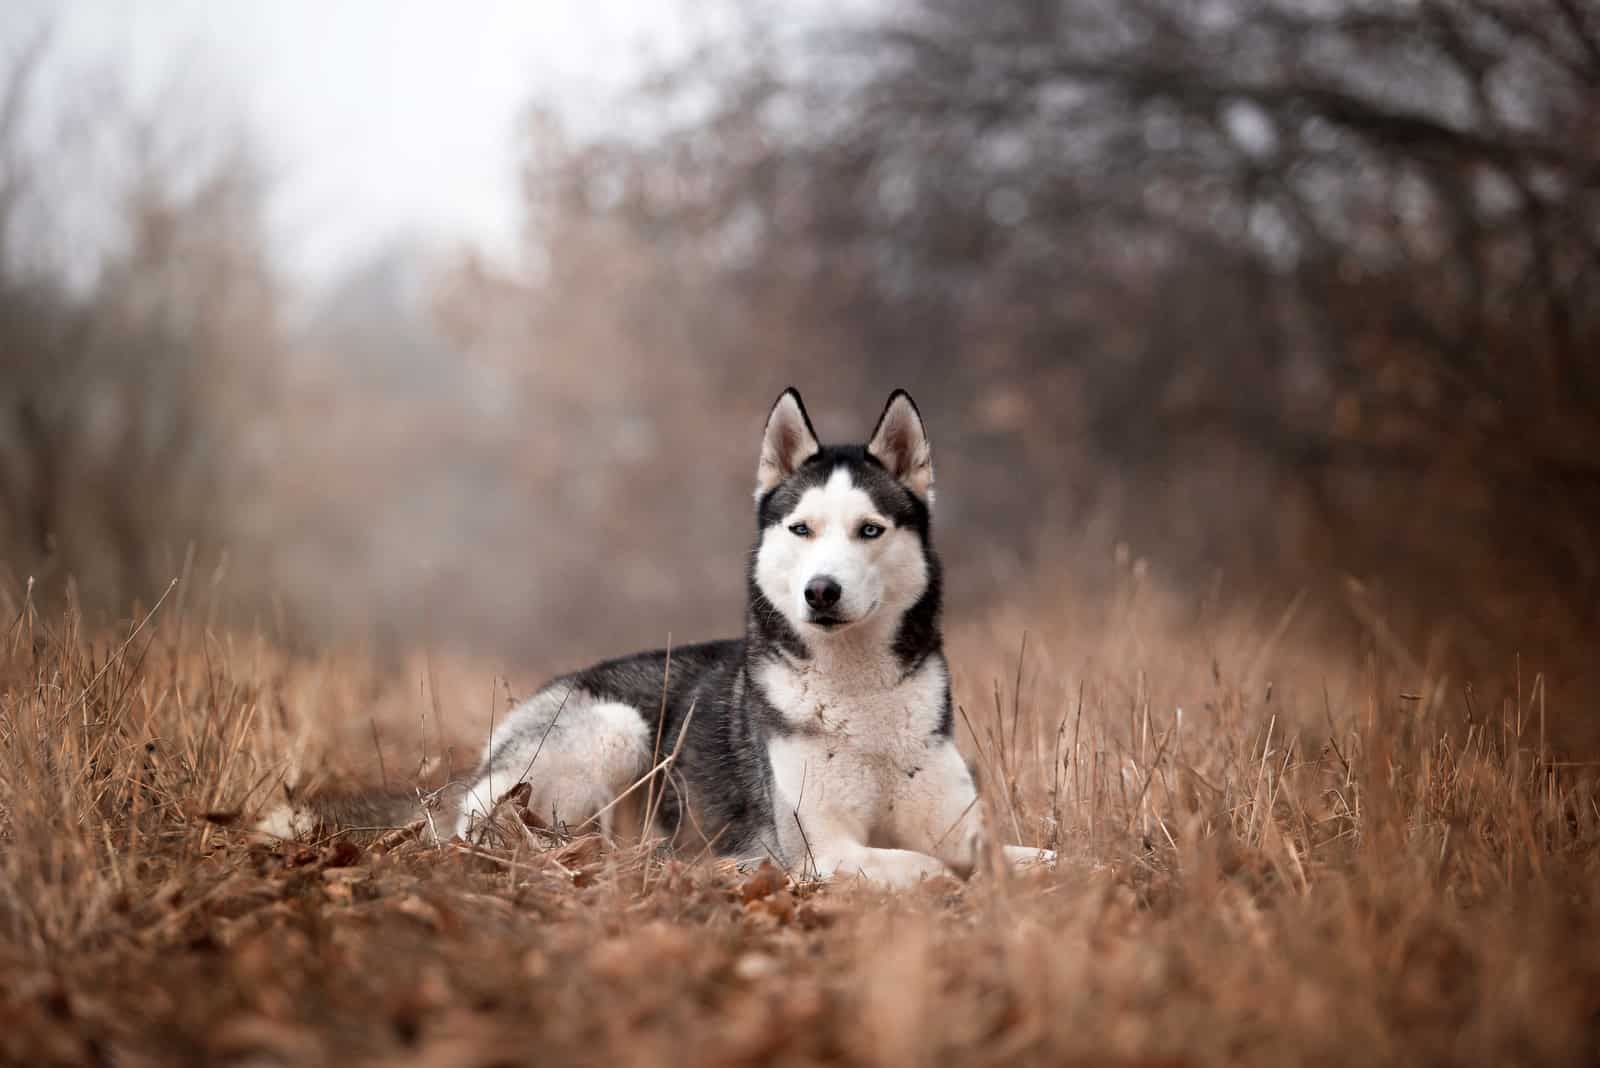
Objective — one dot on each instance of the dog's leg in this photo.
(842, 859)
(1028, 856)
(576, 753)
(825, 842)
(823, 812)
(937, 811)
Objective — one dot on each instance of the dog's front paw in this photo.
(1030, 857)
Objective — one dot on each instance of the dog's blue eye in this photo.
(870, 530)
(800, 530)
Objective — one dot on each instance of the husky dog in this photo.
(823, 739)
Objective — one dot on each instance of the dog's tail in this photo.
(361, 813)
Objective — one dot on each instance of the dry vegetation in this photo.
(1292, 294)
(1322, 859)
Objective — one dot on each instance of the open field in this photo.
(1256, 341)
(1327, 857)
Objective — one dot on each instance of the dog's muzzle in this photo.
(822, 597)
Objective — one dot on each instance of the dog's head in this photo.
(844, 528)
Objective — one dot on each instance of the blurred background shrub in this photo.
(1279, 297)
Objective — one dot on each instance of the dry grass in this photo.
(1320, 860)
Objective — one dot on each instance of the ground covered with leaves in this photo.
(1269, 857)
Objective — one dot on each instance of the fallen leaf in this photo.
(779, 906)
(763, 882)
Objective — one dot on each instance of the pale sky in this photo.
(378, 117)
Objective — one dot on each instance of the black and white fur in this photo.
(823, 738)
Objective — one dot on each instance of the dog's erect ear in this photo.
(789, 442)
(900, 444)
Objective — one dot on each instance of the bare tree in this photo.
(128, 404)
(1213, 264)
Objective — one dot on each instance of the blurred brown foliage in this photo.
(129, 401)
(1277, 295)
(1292, 290)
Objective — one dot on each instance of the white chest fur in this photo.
(864, 705)
(859, 741)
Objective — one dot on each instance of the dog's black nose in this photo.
(822, 593)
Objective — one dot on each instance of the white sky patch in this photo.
(378, 117)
